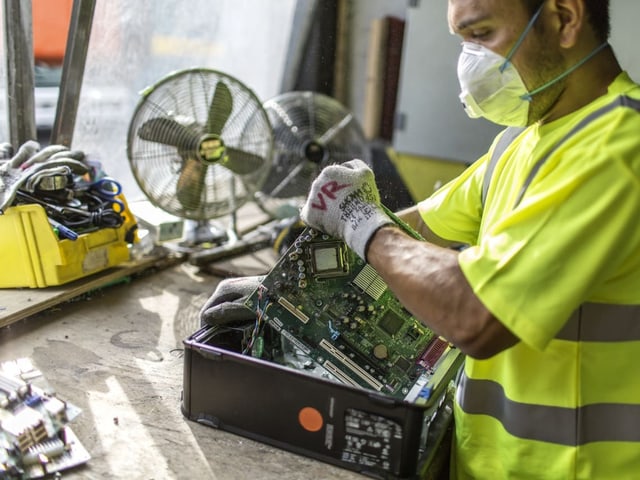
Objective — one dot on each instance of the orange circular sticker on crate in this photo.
(310, 419)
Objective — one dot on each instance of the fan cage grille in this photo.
(185, 98)
(302, 122)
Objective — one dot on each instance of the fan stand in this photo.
(202, 232)
(228, 242)
(259, 237)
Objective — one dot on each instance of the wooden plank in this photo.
(341, 64)
(375, 78)
(391, 76)
(19, 303)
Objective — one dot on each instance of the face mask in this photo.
(491, 86)
(490, 91)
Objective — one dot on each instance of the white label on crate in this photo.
(370, 439)
(95, 259)
(328, 436)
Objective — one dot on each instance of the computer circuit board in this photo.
(35, 439)
(335, 309)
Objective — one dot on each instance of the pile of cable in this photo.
(74, 192)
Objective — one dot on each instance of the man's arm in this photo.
(411, 216)
(344, 202)
(428, 281)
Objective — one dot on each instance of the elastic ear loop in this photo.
(523, 35)
(529, 96)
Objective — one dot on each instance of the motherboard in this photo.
(334, 309)
(35, 439)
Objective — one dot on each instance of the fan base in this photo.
(199, 233)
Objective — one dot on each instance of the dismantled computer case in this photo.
(332, 367)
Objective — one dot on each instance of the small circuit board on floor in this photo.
(335, 309)
(35, 439)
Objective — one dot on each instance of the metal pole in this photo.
(20, 75)
(73, 71)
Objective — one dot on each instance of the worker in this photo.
(545, 299)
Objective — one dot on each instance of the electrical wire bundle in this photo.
(79, 209)
(255, 343)
(75, 194)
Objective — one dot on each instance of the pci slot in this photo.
(371, 361)
(297, 343)
(354, 367)
(339, 374)
(293, 310)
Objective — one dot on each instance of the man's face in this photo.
(497, 25)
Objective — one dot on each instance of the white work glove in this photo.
(344, 202)
(226, 304)
(30, 160)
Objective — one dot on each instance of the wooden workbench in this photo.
(20, 303)
(112, 346)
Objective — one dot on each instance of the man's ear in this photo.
(571, 17)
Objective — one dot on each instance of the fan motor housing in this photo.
(191, 120)
(315, 152)
(211, 148)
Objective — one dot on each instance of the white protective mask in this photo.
(491, 86)
(488, 90)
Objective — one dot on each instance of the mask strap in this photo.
(523, 35)
(529, 96)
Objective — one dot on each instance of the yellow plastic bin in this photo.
(31, 254)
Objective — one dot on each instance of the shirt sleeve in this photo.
(573, 230)
(454, 211)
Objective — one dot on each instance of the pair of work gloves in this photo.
(343, 202)
(26, 168)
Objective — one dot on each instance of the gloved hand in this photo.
(28, 161)
(344, 202)
(226, 304)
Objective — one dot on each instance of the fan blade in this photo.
(191, 184)
(169, 132)
(241, 162)
(219, 109)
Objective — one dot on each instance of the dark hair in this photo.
(597, 12)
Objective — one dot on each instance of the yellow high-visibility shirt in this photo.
(555, 256)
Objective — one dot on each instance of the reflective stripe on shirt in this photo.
(599, 422)
(621, 101)
(601, 322)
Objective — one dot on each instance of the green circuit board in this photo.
(35, 438)
(334, 308)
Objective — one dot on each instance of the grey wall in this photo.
(625, 15)
(433, 121)
(435, 124)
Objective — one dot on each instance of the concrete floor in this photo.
(116, 353)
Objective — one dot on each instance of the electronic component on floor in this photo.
(35, 440)
(338, 311)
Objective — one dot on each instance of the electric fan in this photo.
(310, 130)
(199, 144)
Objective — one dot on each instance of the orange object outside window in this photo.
(51, 20)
